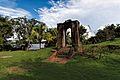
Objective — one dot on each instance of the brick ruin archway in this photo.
(61, 42)
(75, 37)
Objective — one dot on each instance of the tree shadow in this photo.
(36, 69)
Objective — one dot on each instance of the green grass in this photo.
(17, 57)
(103, 47)
(113, 42)
(29, 65)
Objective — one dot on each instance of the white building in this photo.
(37, 46)
(32, 46)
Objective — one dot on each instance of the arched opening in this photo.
(75, 37)
(68, 38)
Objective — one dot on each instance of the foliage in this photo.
(110, 32)
(40, 28)
(51, 36)
(82, 31)
(5, 30)
(22, 30)
(68, 38)
(117, 31)
(27, 31)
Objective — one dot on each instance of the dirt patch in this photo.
(54, 58)
(15, 69)
(5, 57)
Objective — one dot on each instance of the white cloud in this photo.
(89, 12)
(14, 12)
(8, 3)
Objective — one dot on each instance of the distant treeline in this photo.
(110, 32)
(19, 33)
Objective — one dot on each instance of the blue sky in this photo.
(31, 5)
(28, 5)
(95, 13)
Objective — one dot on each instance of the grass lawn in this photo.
(29, 65)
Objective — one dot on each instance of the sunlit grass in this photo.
(29, 65)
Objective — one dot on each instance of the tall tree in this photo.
(40, 29)
(82, 31)
(30, 30)
(23, 29)
(5, 29)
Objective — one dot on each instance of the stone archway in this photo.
(75, 37)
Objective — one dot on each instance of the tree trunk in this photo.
(28, 45)
(40, 43)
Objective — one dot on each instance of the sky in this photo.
(95, 13)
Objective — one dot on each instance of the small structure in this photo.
(61, 42)
(75, 37)
(36, 46)
(33, 46)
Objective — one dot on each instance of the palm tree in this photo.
(40, 29)
(30, 31)
(51, 36)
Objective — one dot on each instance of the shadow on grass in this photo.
(36, 69)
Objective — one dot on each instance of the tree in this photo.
(22, 28)
(5, 30)
(28, 30)
(51, 36)
(101, 35)
(108, 33)
(31, 34)
(68, 38)
(40, 29)
(48, 36)
(82, 31)
(117, 31)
